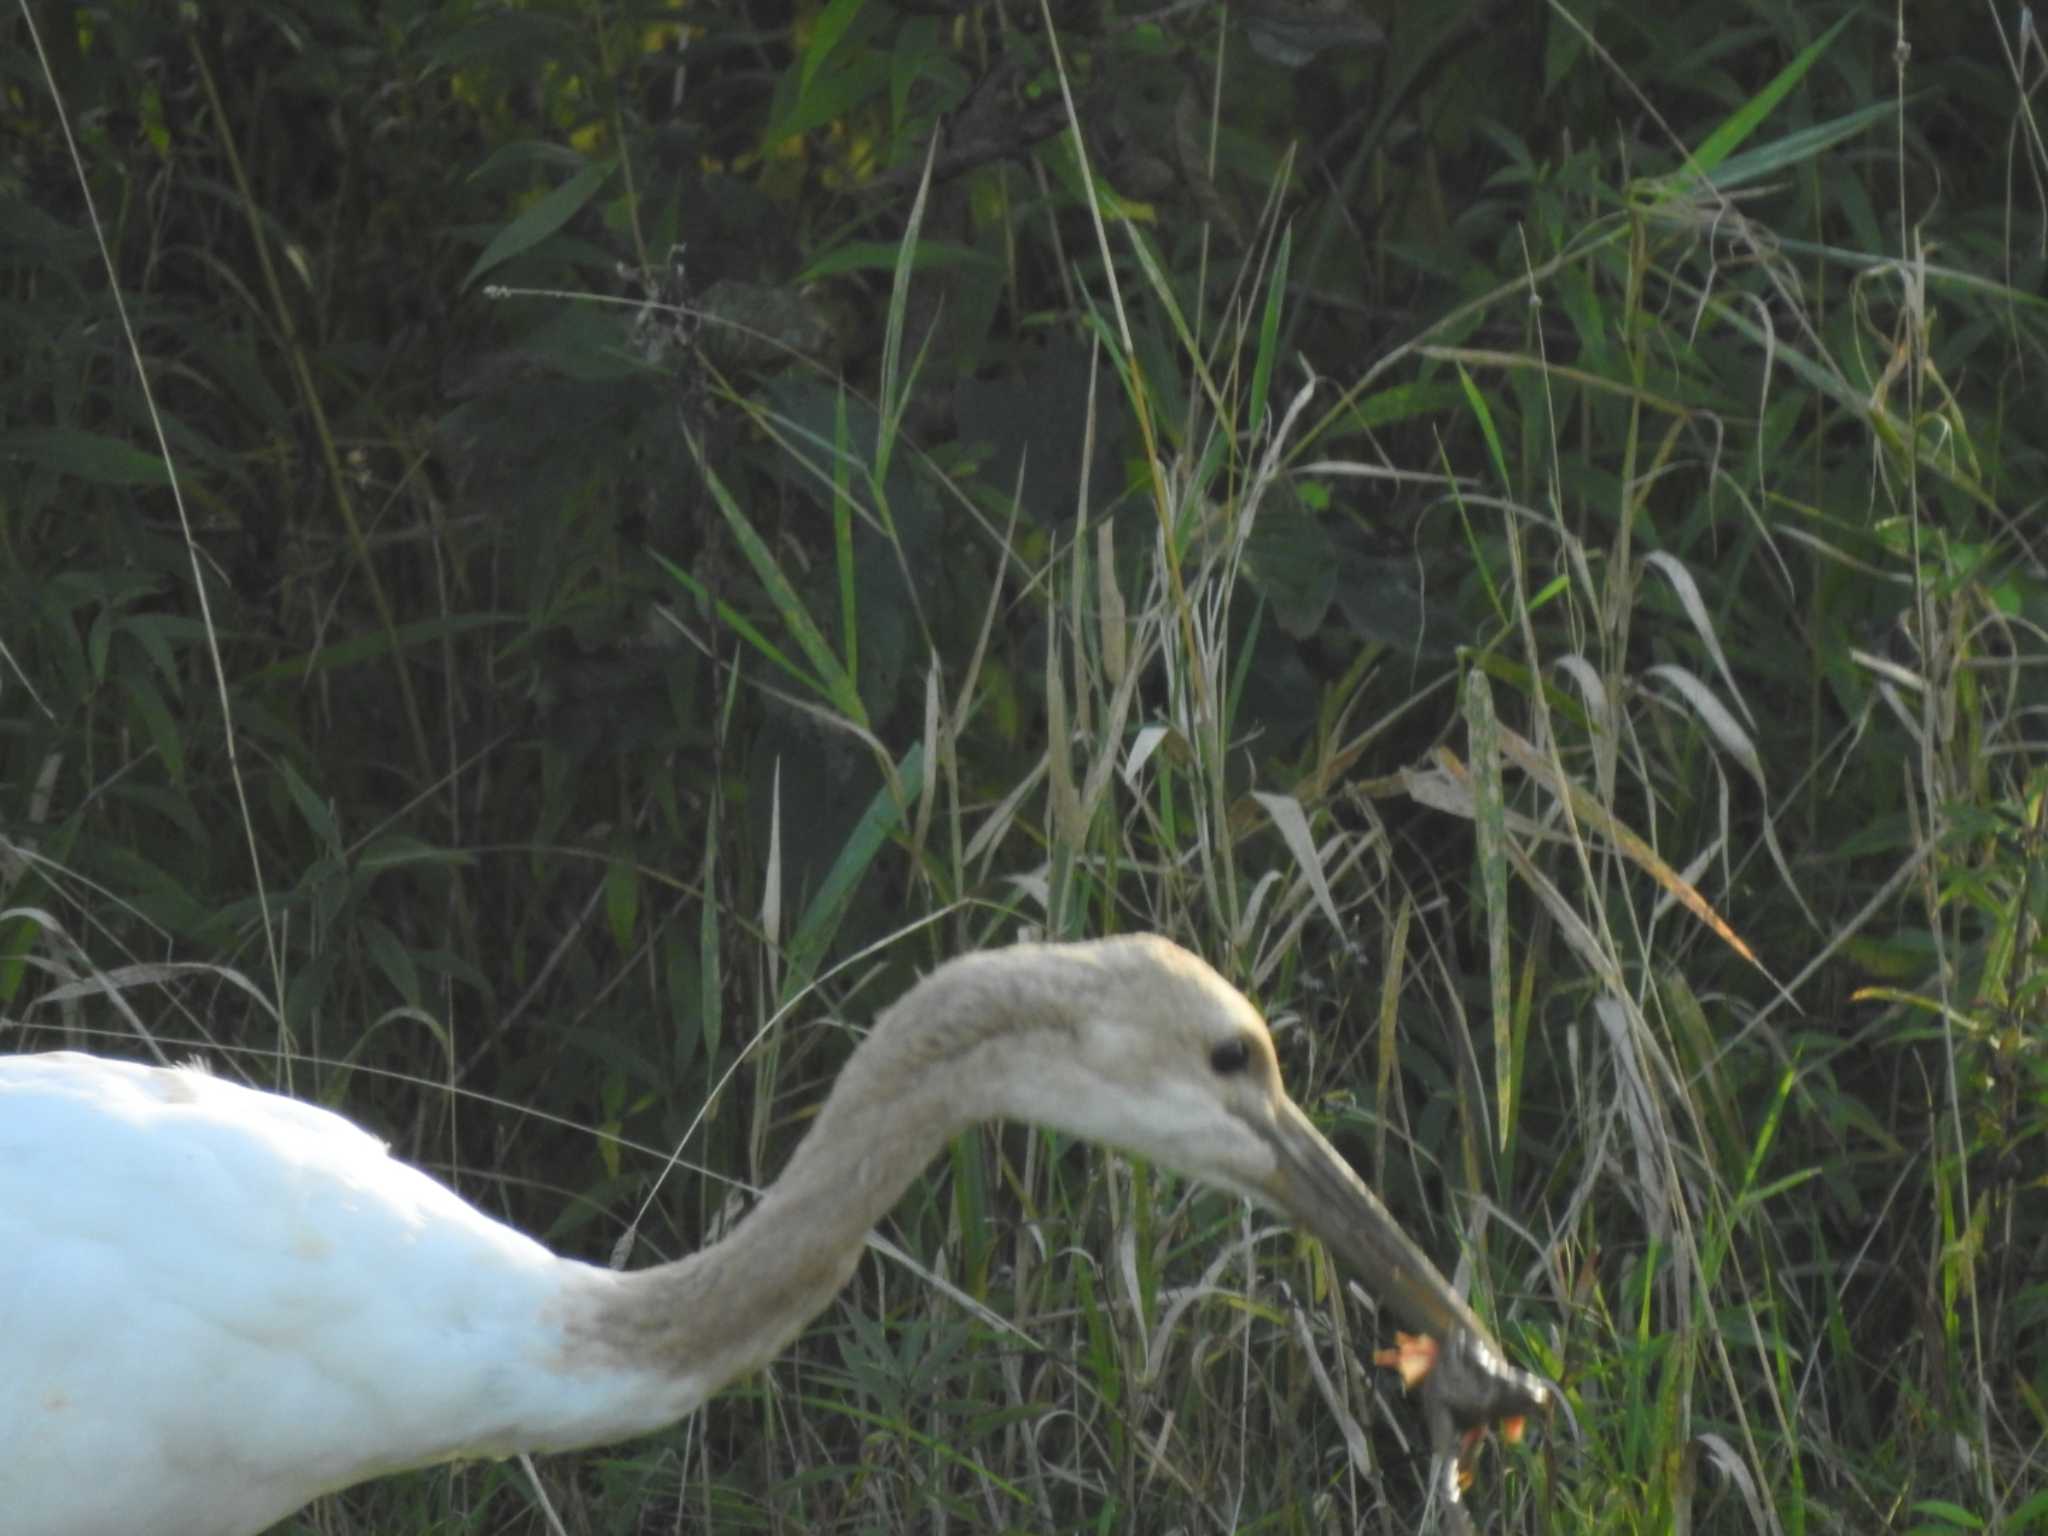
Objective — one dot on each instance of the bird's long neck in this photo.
(915, 1082)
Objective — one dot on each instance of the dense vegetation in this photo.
(548, 550)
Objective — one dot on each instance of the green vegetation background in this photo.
(1516, 529)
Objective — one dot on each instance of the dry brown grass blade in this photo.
(1524, 755)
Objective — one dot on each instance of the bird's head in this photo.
(1157, 1054)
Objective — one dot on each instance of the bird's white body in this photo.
(215, 1303)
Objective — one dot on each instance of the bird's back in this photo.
(220, 1303)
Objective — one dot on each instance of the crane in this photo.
(220, 1303)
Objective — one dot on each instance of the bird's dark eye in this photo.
(1231, 1056)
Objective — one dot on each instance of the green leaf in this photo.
(377, 644)
(1742, 122)
(832, 678)
(312, 809)
(506, 39)
(1269, 328)
(393, 959)
(1480, 409)
(883, 818)
(1776, 157)
(84, 455)
(1941, 1509)
(157, 720)
(739, 623)
(19, 937)
(622, 900)
(917, 57)
(1489, 822)
(397, 850)
(1403, 402)
(542, 219)
(832, 96)
(883, 256)
(826, 32)
(154, 634)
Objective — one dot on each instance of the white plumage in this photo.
(221, 1302)
(218, 1303)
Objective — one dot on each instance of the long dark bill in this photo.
(1471, 1384)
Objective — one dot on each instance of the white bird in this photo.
(217, 1303)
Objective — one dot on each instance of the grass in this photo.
(1600, 721)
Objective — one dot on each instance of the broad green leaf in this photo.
(86, 455)
(1741, 123)
(375, 644)
(882, 820)
(546, 216)
(882, 256)
(826, 32)
(832, 96)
